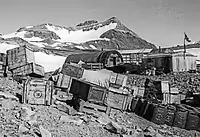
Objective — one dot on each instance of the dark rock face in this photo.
(89, 22)
(126, 40)
(41, 34)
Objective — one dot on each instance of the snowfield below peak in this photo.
(80, 36)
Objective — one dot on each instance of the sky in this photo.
(161, 22)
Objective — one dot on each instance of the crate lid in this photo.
(174, 90)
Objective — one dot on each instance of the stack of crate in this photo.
(68, 72)
(21, 62)
(118, 96)
(2, 64)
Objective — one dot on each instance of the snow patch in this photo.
(16, 34)
(28, 27)
(39, 44)
(93, 47)
(33, 39)
(49, 62)
(4, 47)
(80, 47)
(61, 32)
(81, 36)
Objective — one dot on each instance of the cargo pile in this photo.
(182, 116)
(21, 61)
(74, 101)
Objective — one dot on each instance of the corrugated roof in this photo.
(134, 51)
(181, 53)
(159, 55)
(92, 57)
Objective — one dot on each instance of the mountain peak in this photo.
(90, 34)
(114, 19)
(89, 22)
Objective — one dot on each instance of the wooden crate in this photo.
(117, 100)
(93, 66)
(30, 69)
(63, 81)
(80, 89)
(117, 80)
(37, 91)
(170, 114)
(97, 94)
(171, 98)
(141, 91)
(180, 117)
(165, 86)
(19, 56)
(3, 59)
(192, 120)
(88, 91)
(159, 114)
(157, 86)
(72, 70)
(91, 108)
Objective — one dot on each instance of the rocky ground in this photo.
(23, 120)
(185, 82)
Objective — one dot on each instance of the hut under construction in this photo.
(170, 62)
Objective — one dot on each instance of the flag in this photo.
(186, 38)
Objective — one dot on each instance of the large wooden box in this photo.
(192, 120)
(88, 91)
(117, 100)
(30, 69)
(72, 70)
(3, 58)
(157, 86)
(117, 80)
(19, 56)
(171, 98)
(171, 110)
(159, 114)
(63, 81)
(79, 89)
(149, 111)
(180, 117)
(37, 92)
(97, 94)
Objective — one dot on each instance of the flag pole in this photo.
(184, 52)
(184, 47)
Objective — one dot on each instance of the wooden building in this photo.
(167, 62)
(109, 58)
(134, 56)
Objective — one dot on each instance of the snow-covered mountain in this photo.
(109, 34)
(87, 36)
